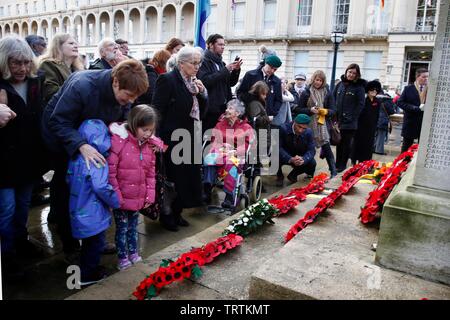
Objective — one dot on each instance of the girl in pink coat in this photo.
(132, 174)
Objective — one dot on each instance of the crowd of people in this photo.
(101, 131)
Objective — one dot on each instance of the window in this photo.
(238, 17)
(341, 13)
(340, 68)
(233, 54)
(130, 31)
(148, 54)
(90, 34)
(372, 65)
(34, 6)
(211, 22)
(304, 13)
(54, 4)
(426, 15)
(103, 30)
(8, 13)
(1, 12)
(26, 8)
(301, 62)
(78, 33)
(65, 4)
(270, 11)
(18, 9)
(378, 22)
(44, 6)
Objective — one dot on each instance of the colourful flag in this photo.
(382, 4)
(203, 11)
(233, 4)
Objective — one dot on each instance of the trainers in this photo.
(134, 258)
(123, 264)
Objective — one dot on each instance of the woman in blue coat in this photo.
(98, 94)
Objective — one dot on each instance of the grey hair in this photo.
(186, 53)
(101, 44)
(237, 105)
(14, 47)
(171, 63)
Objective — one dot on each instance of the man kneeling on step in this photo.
(297, 149)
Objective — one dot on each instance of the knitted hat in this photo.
(273, 61)
(302, 119)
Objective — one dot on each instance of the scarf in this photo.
(192, 88)
(318, 97)
(423, 94)
(214, 57)
(318, 125)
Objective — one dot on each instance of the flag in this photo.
(382, 4)
(203, 11)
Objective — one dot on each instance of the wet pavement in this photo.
(46, 278)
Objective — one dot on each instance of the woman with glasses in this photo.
(181, 100)
(22, 158)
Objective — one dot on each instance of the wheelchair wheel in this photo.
(255, 194)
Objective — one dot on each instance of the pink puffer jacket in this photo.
(132, 168)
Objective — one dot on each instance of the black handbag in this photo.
(165, 192)
(334, 131)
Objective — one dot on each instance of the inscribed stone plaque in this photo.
(433, 163)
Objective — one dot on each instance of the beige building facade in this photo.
(389, 43)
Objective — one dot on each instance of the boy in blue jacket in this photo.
(91, 197)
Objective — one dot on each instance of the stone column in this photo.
(415, 226)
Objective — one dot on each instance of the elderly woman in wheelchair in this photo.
(226, 155)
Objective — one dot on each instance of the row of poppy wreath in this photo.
(390, 179)
(349, 179)
(188, 265)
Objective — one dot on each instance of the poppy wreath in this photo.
(285, 203)
(186, 266)
(329, 201)
(390, 179)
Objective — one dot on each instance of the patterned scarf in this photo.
(317, 98)
(193, 89)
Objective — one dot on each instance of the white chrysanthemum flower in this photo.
(245, 220)
(240, 222)
(245, 224)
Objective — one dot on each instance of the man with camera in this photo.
(218, 79)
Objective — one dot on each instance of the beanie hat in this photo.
(273, 61)
(302, 119)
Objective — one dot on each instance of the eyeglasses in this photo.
(195, 64)
(18, 64)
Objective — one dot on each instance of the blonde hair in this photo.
(319, 74)
(54, 52)
(17, 48)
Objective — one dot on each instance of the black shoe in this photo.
(26, 248)
(280, 180)
(291, 177)
(169, 226)
(97, 276)
(72, 258)
(110, 248)
(182, 222)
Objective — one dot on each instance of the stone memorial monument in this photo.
(414, 232)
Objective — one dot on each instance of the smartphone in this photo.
(237, 58)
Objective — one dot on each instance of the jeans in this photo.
(91, 251)
(14, 206)
(380, 138)
(344, 149)
(126, 232)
